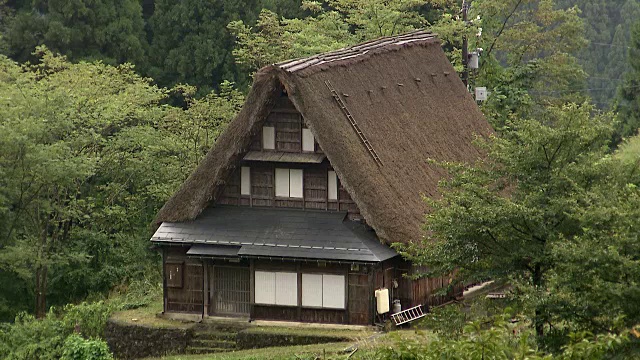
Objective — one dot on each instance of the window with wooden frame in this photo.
(276, 288)
(174, 273)
(323, 291)
(289, 183)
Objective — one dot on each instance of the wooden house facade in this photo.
(291, 214)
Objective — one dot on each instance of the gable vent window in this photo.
(323, 291)
(289, 183)
(308, 141)
(332, 185)
(276, 288)
(268, 137)
(245, 180)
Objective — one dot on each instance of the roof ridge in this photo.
(415, 37)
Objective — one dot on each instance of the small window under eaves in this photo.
(308, 141)
(332, 185)
(245, 180)
(268, 137)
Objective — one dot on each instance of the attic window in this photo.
(245, 180)
(332, 185)
(268, 137)
(308, 141)
(289, 183)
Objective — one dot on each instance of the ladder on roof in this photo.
(353, 123)
(408, 315)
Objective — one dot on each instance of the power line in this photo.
(605, 78)
(605, 44)
(583, 90)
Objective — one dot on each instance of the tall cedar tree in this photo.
(107, 30)
(190, 43)
(629, 94)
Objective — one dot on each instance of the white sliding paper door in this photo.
(265, 287)
(333, 293)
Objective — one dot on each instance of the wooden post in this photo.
(347, 318)
(205, 290)
(164, 280)
(299, 291)
(252, 294)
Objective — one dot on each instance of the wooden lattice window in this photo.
(174, 272)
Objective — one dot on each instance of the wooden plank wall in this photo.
(189, 298)
(360, 295)
(413, 292)
(424, 290)
(288, 123)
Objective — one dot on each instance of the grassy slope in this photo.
(146, 316)
(330, 351)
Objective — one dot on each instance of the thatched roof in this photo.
(408, 102)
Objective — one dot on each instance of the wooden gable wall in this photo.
(288, 123)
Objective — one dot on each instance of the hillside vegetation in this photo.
(106, 106)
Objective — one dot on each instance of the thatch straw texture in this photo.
(409, 103)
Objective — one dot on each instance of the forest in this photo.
(106, 106)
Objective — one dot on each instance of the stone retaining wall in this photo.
(132, 341)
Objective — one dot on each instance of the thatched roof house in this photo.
(406, 98)
(376, 113)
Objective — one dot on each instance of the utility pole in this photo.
(465, 43)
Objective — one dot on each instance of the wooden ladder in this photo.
(408, 315)
(353, 123)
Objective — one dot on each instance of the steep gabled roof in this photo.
(408, 103)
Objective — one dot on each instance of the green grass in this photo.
(329, 351)
(323, 351)
(146, 316)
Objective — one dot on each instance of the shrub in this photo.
(78, 348)
(31, 339)
(91, 318)
(504, 339)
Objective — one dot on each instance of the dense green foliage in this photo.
(75, 331)
(78, 348)
(89, 150)
(88, 153)
(190, 43)
(505, 337)
(628, 105)
(550, 211)
(112, 30)
(608, 26)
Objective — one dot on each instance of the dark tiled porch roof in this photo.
(278, 233)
